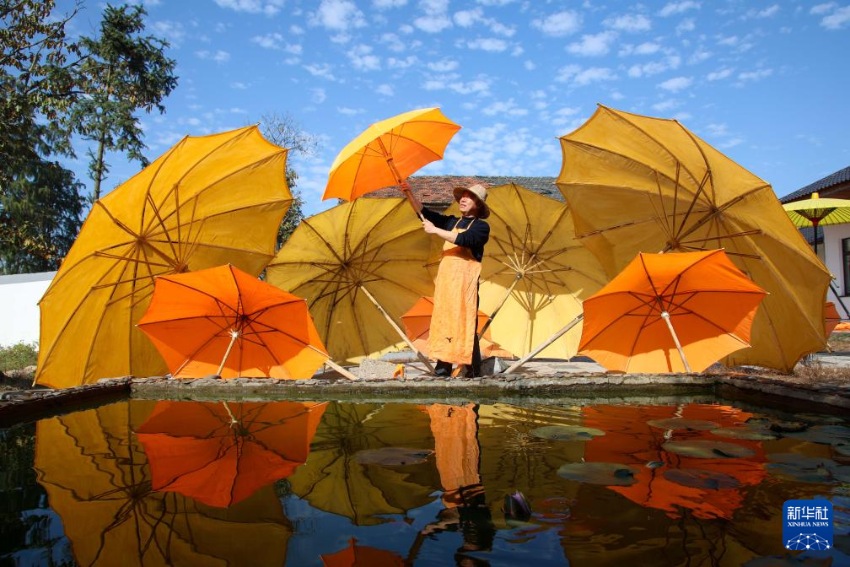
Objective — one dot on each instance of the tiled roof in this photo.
(837, 178)
(436, 190)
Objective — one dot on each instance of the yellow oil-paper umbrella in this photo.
(643, 184)
(359, 266)
(207, 201)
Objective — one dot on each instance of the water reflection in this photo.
(221, 453)
(189, 483)
(98, 481)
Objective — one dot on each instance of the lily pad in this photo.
(807, 469)
(707, 449)
(654, 464)
(392, 456)
(752, 433)
(701, 478)
(554, 509)
(824, 434)
(842, 449)
(606, 474)
(567, 432)
(683, 423)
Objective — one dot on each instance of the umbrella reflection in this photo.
(368, 461)
(679, 464)
(362, 556)
(221, 453)
(97, 480)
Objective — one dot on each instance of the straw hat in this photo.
(480, 193)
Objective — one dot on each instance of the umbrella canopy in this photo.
(670, 312)
(368, 461)
(227, 322)
(222, 453)
(207, 201)
(641, 184)
(388, 152)
(815, 212)
(98, 481)
(360, 266)
(417, 326)
(831, 318)
(535, 272)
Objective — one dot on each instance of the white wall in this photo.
(831, 256)
(19, 315)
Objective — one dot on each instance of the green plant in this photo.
(18, 356)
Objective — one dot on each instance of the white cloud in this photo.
(392, 42)
(503, 108)
(559, 24)
(320, 70)
(318, 95)
(720, 74)
(267, 7)
(218, 56)
(674, 8)
(268, 41)
(676, 84)
(172, 32)
(654, 67)
(488, 44)
(338, 15)
(385, 4)
(755, 75)
(821, 9)
(467, 18)
(349, 111)
(436, 17)
(685, 26)
(593, 45)
(402, 63)
(443, 65)
(580, 77)
(363, 59)
(665, 106)
(837, 20)
(629, 23)
(385, 89)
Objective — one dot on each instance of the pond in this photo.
(691, 482)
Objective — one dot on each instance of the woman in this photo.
(453, 337)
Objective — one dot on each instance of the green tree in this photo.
(40, 204)
(121, 71)
(284, 131)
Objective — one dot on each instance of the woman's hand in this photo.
(429, 227)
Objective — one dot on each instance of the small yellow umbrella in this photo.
(207, 201)
(388, 152)
(815, 212)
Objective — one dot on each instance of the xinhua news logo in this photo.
(807, 524)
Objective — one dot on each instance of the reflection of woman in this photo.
(453, 338)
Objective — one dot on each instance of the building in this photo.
(833, 241)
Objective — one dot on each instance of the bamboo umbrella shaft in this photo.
(398, 330)
(405, 187)
(539, 349)
(334, 365)
(666, 317)
(233, 336)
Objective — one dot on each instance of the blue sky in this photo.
(765, 82)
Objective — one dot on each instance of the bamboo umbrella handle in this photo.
(666, 317)
(551, 340)
(398, 330)
(334, 365)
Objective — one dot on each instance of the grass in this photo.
(18, 356)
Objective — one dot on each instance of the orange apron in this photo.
(454, 318)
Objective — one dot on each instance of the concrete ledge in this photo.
(29, 405)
